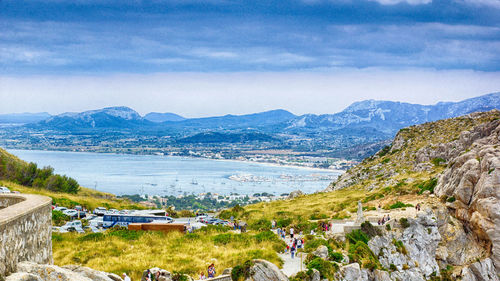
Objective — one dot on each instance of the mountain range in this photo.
(360, 125)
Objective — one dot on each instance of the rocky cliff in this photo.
(458, 161)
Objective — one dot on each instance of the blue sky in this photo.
(60, 39)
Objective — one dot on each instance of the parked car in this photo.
(71, 226)
(71, 213)
(100, 211)
(62, 209)
(4, 189)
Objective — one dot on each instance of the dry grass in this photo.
(88, 198)
(190, 253)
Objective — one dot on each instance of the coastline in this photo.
(193, 157)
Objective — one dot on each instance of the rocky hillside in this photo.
(458, 161)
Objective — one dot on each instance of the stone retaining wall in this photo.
(221, 278)
(25, 230)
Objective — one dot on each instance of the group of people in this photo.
(210, 272)
(294, 245)
(383, 220)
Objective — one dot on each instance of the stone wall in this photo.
(25, 230)
(221, 278)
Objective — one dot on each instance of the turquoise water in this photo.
(168, 175)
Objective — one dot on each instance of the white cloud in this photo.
(491, 3)
(208, 94)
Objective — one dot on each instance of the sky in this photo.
(215, 57)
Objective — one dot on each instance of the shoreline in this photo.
(192, 157)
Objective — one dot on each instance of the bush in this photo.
(125, 234)
(91, 237)
(326, 269)
(284, 222)
(57, 237)
(393, 267)
(59, 218)
(314, 244)
(242, 272)
(451, 199)
(260, 225)
(266, 236)
(400, 247)
(438, 161)
(399, 204)
(336, 256)
(404, 222)
(427, 185)
(318, 216)
(178, 276)
(388, 227)
(361, 253)
(357, 235)
(369, 229)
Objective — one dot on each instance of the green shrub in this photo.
(336, 256)
(361, 253)
(318, 216)
(242, 272)
(178, 276)
(393, 267)
(427, 185)
(91, 237)
(451, 199)
(399, 204)
(284, 222)
(125, 233)
(59, 218)
(57, 237)
(404, 222)
(384, 151)
(314, 244)
(369, 229)
(438, 161)
(388, 227)
(400, 247)
(260, 225)
(357, 235)
(326, 269)
(266, 236)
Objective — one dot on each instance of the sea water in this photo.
(170, 175)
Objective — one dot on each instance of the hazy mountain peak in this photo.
(158, 117)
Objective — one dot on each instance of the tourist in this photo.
(126, 278)
(299, 244)
(211, 271)
(291, 232)
(202, 276)
(292, 251)
(149, 276)
(273, 224)
(287, 248)
(388, 217)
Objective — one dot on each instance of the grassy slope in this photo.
(190, 253)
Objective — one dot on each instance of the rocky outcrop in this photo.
(321, 251)
(471, 184)
(294, 194)
(263, 270)
(30, 271)
(412, 250)
(480, 271)
(352, 272)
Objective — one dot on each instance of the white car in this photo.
(75, 225)
(62, 209)
(4, 189)
(71, 213)
(100, 211)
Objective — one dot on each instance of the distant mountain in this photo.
(387, 117)
(23, 118)
(256, 120)
(110, 117)
(216, 137)
(163, 117)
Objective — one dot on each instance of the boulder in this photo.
(322, 252)
(352, 272)
(92, 273)
(164, 275)
(265, 271)
(380, 275)
(51, 272)
(316, 276)
(227, 271)
(23, 276)
(294, 194)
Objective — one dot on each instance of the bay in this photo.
(170, 175)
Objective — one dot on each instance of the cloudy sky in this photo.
(210, 57)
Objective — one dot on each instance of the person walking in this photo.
(292, 251)
(202, 276)
(291, 232)
(211, 271)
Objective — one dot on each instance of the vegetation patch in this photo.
(326, 269)
(242, 272)
(398, 205)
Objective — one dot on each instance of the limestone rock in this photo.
(316, 276)
(380, 275)
(352, 272)
(322, 252)
(92, 273)
(23, 276)
(164, 275)
(408, 275)
(227, 271)
(480, 271)
(265, 271)
(51, 272)
(294, 194)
